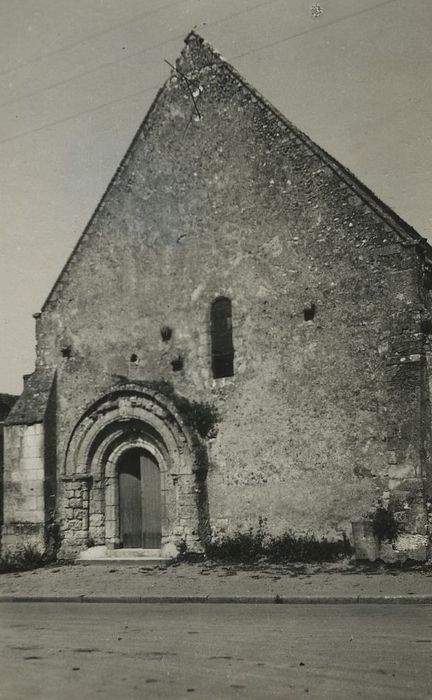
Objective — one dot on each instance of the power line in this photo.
(79, 114)
(260, 48)
(74, 44)
(128, 56)
(89, 72)
(320, 25)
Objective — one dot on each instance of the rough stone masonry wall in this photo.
(321, 416)
(75, 494)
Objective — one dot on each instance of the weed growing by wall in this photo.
(24, 557)
(241, 547)
(384, 524)
(256, 543)
(307, 548)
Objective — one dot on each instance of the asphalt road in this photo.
(123, 651)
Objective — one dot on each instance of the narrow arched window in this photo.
(222, 349)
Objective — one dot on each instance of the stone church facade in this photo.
(242, 331)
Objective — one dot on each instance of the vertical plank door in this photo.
(131, 524)
(151, 502)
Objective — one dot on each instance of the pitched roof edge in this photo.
(105, 192)
(373, 201)
(386, 213)
(31, 405)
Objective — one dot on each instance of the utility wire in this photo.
(128, 56)
(79, 114)
(125, 97)
(320, 25)
(89, 72)
(74, 44)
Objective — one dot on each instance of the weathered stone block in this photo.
(365, 542)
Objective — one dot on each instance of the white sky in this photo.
(77, 76)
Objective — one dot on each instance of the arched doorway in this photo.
(129, 424)
(139, 488)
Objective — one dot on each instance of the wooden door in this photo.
(151, 501)
(139, 501)
(130, 504)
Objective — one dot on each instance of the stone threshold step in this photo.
(130, 553)
(125, 561)
(104, 555)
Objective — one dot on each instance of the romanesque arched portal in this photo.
(130, 417)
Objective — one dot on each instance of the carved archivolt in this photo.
(132, 416)
(127, 416)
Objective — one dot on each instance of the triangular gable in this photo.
(401, 227)
(207, 57)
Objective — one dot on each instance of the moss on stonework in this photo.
(200, 416)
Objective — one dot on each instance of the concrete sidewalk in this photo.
(210, 582)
